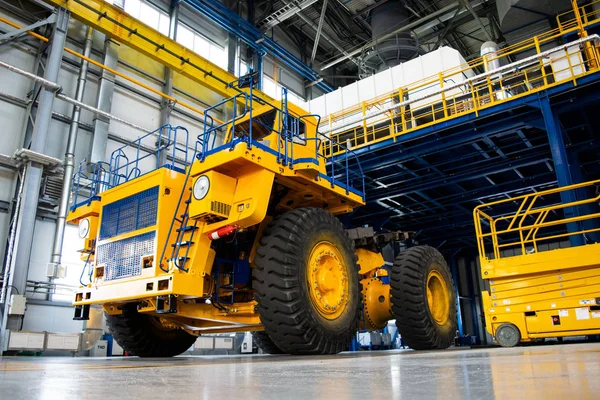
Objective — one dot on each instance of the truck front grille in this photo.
(129, 214)
(123, 258)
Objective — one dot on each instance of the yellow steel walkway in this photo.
(448, 95)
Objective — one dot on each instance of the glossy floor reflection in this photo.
(544, 372)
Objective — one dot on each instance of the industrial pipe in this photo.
(69, 163)
(490, 47)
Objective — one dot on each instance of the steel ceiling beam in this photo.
(319, 29)
(288, 10)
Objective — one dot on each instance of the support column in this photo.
(454, 272)
(232, 54)
(19, 265)
(561, 165)
(165, 104)
(69, 162)
(260, 69)
(106, 89)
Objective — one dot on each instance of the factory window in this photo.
(273, 89)
(202, 46)
(148, 14)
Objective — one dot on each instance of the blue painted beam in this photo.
(254, 38)
(506, 165)
(466, 134)
(481, 194)
(561, 166)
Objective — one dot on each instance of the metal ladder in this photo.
(185, 236)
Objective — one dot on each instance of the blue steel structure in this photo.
(255, 39)
(429, 180)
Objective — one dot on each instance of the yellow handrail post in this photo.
(444, 106)
(475, 99)
(536, 40)
(364, 114)
(402, 109)
(589, 50)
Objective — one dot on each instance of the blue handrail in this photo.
(338, 172)
(123, 167)
(92, 179)
(121, 173)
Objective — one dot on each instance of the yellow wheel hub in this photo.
(327, 280)
(438, 298)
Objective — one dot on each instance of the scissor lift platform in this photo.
(535, 292)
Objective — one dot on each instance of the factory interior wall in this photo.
(133, 103)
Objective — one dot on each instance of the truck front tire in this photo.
(306, 283)
(145, 336)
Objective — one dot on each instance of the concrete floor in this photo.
(542, 372)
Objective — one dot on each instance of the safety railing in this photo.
(250, 126)
(127, 162)
(517, 226)
(585, 15)
(88, 182)
(458, 91)
(162, 145)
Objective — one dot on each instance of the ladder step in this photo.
(184, 215)
(188, 201)
(186, 243)
(181, 260)
(187, 229)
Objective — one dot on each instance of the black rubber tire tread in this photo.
(139, 336)
(264, 342)
(409, 299)
(279, 280)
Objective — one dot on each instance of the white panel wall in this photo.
(392, 79)
(40, 318)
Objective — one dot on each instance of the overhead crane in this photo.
(123, 28)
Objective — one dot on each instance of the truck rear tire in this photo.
(145, 336)
(423, 299)
(264, 342)
(306, 283)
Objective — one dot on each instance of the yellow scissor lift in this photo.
(538, 287)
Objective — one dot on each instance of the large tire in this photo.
(264, 342)
(425, 316)
(295, 312)
(140, 335)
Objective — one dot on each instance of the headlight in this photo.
(201, 187)
(84, 228)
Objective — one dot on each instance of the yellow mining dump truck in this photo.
(245, 238)
(540, 286)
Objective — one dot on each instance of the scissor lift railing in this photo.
(449, 94)
(536, 287)
(520, 224)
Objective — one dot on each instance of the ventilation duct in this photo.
(490, 48)
(392, 51)
(515, 14)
